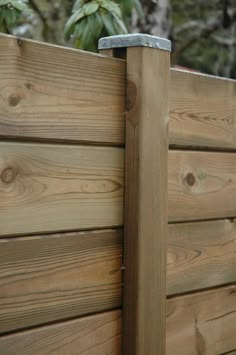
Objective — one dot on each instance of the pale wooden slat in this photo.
(202, 110)
(146, 201)
(52, 92)
(201, 185)
(200, 255)
(53, 277)
(94, 335)
(54, 187)
(202, 323)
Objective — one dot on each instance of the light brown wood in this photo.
(53, 277)
(200, 255)
(146, 201)
(202, 110)
(52, 92)
(56, 187)
(42, 184)
(95, 335)
(202, 323)
(201, 185)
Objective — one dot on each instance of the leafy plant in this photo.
(92, 19)
(128, 5)
(10, 11)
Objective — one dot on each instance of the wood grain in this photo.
(55, 187)
(95, 335)
(146, 201)
(200, 255)
(202, 110)
(202, 185)
(52, 92)
(202, 323)
(52, 277)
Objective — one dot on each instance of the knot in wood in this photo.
(19, 42)
(7, 175)
(131, 95)
(232, 289)
(190, 179)
(14, 100)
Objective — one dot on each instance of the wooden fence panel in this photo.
(200, 255)
(202, 185)
(50, 92)
(94, 335)
(52, 277)
(56, 187)
(202, 323)
(202, 110)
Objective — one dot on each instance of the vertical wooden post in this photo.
(146, 190)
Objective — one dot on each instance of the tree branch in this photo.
(228, 42)
(205, 30)
(46, 28)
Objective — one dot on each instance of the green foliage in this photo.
(128, 5)
(92, 19)
(202, 22)
(10, 11)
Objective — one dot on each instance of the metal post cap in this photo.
(134, 40)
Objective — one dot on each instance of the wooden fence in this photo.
(75, 129)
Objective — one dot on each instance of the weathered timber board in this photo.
(94, 335)
(52, 92)
(202, 185)
(202, 110)
(200, 255)
(52, 277)
(56, 187)
(202, 323)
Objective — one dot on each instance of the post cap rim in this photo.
(134, 40)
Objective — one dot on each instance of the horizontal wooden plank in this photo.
(202, 185)
(202, 323)
(95, 335)
(202, 110)
(56, 187)
(52, 277)
(52, 92)
(201, 255)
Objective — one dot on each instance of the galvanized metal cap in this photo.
(134, 40)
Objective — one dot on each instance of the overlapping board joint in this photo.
(75, 101)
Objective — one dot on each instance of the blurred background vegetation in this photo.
(203, 33)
